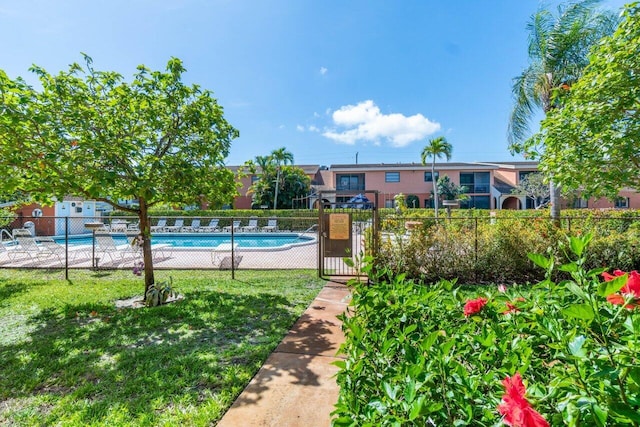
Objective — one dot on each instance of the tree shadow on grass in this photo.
(142, 361)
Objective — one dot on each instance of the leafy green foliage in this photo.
(414, 358)
(88, 133)
(159, 293)
(293, 183)
(591, 143)
(496, 250)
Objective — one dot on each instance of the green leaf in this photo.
(579, 311)
(540, 260)
(577, 245)
(599, 415)
(417, 407)
(569, 268)
(575, 346)
(613, 286)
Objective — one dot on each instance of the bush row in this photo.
(495, 250)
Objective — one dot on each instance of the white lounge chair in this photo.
(272, 225)
(213, 226)
(160, 226)
(195, 225)
(222, 252)
(251, 226)
(235, 226)
(177, 226)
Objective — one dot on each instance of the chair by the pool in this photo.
(251, 226)
(213, 226)
(177, 226)
(223, 252)
(160, 226)
(272, 225)
(195, 225)
(236, 226)
(50, 248)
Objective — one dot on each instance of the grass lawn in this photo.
(68, 356)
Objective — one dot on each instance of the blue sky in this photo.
(326, 79)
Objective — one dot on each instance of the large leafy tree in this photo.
(558, 49)
(437, 148)
(291, 181)
(593, 143)
(89, 133)
(534, 187)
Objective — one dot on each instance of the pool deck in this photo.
(297, 257)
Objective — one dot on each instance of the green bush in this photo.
(414, 355)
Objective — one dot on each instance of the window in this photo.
(429, 178)
(478, 202)
(580, 203)
(475, 182)
(389, 203)
(392, 177)
(429, 204)
(353, 182)
(523, 174)
(622, 203)
(255, 178)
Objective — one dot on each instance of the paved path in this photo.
(296, 385)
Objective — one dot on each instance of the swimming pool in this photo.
(199, 241)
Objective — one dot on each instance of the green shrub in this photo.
(414, 355)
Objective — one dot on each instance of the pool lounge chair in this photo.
(272, 225)
(251, 226)
(160, 226)
(177, 226)
(235, 226)
(107, 246)
(223, 252)
(195, 225)
(213, 226)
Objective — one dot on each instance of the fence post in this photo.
(233, 252)
(475, 264)
(66, 248)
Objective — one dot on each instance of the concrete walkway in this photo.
(296, 385)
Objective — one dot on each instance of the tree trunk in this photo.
(435, 185)
(145, 230)
(554, 197)
(275, 201)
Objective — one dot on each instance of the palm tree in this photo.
(438, 147)
(558, 52)
(280, 157)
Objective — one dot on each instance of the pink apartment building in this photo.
(489, 185)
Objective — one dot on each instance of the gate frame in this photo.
(323, 233)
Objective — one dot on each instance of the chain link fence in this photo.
(229, 243)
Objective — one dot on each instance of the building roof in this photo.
(413, 166)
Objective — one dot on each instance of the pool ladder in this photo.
(4, 232)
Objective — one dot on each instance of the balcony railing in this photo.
(350, 187)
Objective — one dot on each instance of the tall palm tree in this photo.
(437, 147)
(558, 52)
(280, 157)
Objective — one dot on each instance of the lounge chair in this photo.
(177, 226)
(251, 226)
(272, 225)
(106, 245)
(195, 225)
(223, 251)
(213, 226)
(49, 248)
(235, 226)
(160, 226)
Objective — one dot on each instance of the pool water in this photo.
(265, 240)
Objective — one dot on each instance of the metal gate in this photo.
(347, 230)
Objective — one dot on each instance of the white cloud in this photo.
(313, 128)
(323, 70)
(365, 122)
(300, 128)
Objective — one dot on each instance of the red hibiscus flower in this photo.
(511, 306)
(632, 287)
(474, 306)
(515, 408)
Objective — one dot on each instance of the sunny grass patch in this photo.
(69, 357)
